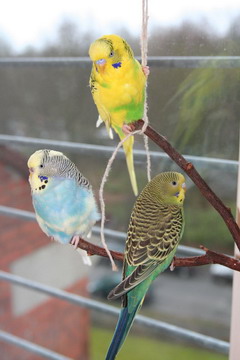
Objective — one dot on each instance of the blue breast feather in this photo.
(66, 209)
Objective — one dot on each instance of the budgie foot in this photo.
(146, 70)
(86, 259)
(127, 129)
(75, 241)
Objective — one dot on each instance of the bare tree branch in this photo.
(210, 257)
(92, 249)
(190, 170)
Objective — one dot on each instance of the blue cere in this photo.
(117, 65)
(43, 178)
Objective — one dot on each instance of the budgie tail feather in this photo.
(85, 258)
(122, 329)
(128, 149)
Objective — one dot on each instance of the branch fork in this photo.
(210, 257)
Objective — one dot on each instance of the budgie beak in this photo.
(182, 191)
(180, 195)
(100, 65)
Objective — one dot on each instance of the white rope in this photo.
(144, 40)
(144, 52)
(101, 198)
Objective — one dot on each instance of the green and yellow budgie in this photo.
(118, 87)
(155, 229)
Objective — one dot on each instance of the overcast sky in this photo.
(29, 22)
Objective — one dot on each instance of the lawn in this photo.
(139, 348)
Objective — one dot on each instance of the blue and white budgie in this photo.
(62, 198)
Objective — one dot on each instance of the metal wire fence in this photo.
(156, 61)
(93, 148)
(159, 326)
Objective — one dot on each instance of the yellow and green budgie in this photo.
(118, 87)
(155, 229)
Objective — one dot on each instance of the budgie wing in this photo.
(103, 113)
(153, 237)
(153, 233)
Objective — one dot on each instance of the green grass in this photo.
(139, 348)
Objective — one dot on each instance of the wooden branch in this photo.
(190, 170)
(211, 257)
(92, 249)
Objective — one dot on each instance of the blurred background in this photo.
(197, 109)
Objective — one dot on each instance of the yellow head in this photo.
(41, 166)
(109, 51)
(168, 188)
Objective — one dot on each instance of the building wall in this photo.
(26, 251)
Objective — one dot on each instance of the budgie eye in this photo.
(41, 166)
(174, 183)
(111, 54)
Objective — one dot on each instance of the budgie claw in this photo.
(75, 241)
(146, 70)
(127, 129)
